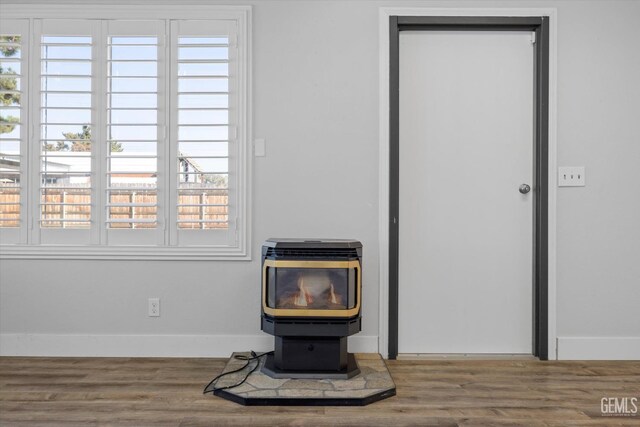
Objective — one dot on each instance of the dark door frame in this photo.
(539, 25)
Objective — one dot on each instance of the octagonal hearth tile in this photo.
(372, 384)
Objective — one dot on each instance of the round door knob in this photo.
(524, 188)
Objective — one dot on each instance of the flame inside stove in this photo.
(303, 298)
(332, 295)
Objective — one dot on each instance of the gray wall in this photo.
(316, 102)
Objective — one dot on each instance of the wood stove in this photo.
(311, 298)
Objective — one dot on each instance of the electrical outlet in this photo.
(571, 176)
(154, 307)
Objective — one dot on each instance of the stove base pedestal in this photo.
(351, 370)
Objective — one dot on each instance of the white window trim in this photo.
(242, 249)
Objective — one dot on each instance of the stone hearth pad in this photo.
(372, 384)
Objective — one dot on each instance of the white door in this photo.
(465, 230)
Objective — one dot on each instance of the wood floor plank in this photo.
(168, 392)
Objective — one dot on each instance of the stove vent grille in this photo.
(312, 253)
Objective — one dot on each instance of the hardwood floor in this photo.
(144, 391)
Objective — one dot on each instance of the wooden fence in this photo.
(71, 208)
(9, 206)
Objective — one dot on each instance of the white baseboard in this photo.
(77, 345)
(598, 348)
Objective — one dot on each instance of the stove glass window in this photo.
(311, 288)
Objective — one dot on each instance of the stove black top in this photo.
(312, 243)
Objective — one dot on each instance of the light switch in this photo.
(259, 147)
(571, 176)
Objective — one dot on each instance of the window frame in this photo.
(19, 234)
(29, 246)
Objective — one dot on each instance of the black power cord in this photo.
(249, 359)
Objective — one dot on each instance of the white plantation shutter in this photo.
(135, 121)
(204, 118)
(65, 142)
(130, 135)
(14, 42)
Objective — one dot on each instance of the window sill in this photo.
(124, 253)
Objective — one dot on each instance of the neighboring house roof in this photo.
(74, 161)
(9, 163)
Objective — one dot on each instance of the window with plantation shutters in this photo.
(124, 137)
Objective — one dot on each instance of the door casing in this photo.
(540, 26)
